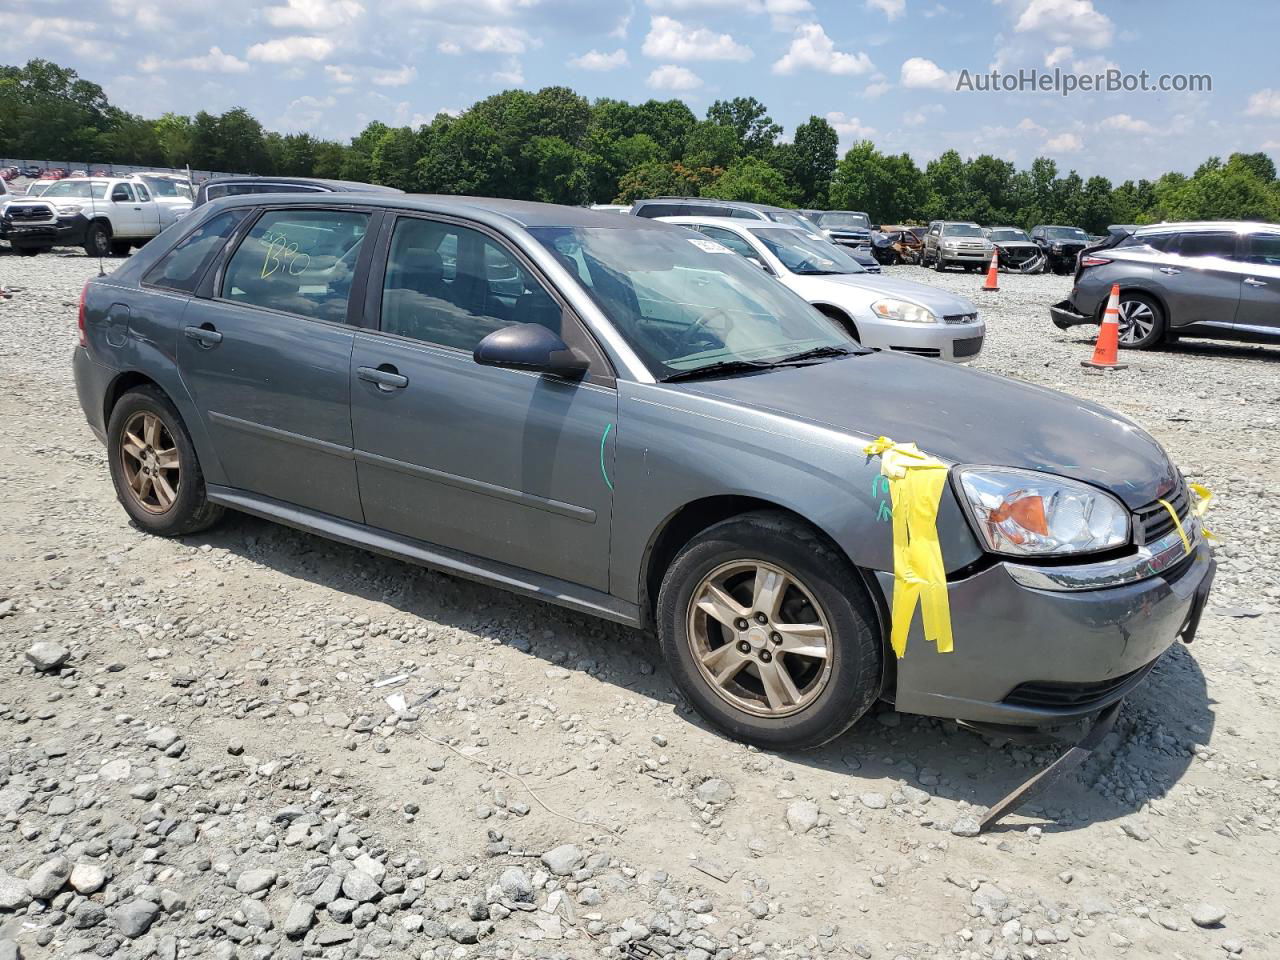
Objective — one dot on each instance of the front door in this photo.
(127, 218)
(268, 359)
(508, 465)
(1259, 310)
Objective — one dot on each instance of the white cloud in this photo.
(488, 39)
(850, 128)
(877, 88)
(892, 9)
(512, 74)
(1063, 143)
(1273, 145)
(1057, 56)
(215, 61)
(918, 72)
(595, 60)
(1264, 103)
(314, 14)
(305, 112)
(1067, 22)
(289, 49)
(339, 74)
(920, 117)
(670, 39)
(671, 77)
(393, 78)
(812, 49)
(1027, 125)
(1126, 124)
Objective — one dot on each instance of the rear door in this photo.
(267, 357)
(508, 465)
(1198, 279)
(1259, 309)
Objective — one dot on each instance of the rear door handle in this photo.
(1171, 271)
(1255, 283)
(206, 336)
(386, 377)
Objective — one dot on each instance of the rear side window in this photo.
(298, 261)
(661, 210)
(1206, 244)
(183, 266)
(1263, 248)
(452, 286)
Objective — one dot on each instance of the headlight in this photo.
(950, 243)
(1025, 513)
(903, 310)
(68, 208)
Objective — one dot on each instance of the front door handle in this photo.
(1171, 271)
(386, 377)
(204, 335)
(1255, 283)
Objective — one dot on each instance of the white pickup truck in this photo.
(105, 215)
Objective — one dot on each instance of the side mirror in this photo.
(530, 346)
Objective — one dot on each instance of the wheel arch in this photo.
(841, 316)
(1146, 291)
(688, 521)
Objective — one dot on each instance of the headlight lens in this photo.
(68, 208)
(903, 310)
(1024, 513)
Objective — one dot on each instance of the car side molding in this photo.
(455, 562)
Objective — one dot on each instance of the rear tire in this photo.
(1142, 321)
(30, 251)
(821, 607)
(154, 466)
(97, 239)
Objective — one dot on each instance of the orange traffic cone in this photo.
(991, 282)
(1104, 351)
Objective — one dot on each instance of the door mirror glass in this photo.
(530, 346)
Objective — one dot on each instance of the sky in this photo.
(885, 70)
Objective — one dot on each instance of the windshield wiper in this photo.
(817, 353)
(722, 368)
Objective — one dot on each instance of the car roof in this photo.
(524, 213)
(1194, 226)
(736, 224)
(337, 186)
(714, 202)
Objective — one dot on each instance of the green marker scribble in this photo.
(603, 440)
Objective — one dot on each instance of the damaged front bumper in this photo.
(1018, 263)
(1064, 315)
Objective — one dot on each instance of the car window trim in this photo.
(600, 373)
(375, 219)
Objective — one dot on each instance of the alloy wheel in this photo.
(760, 639)
(150, 460)
(1137, 320)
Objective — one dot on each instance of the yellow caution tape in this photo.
(1204, 497)
(1186, 543)
(915, 488)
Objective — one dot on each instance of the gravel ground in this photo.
(255, 743)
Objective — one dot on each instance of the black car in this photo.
(216, 187)
(1061, 245)
(1017, 252)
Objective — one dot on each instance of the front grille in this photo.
(966, 348)
(960, 318)
(1153, 521)
(29, 213)
(1049, 695)
(919, 351)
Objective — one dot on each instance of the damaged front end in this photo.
(1020, 258)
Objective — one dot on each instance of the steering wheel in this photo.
(704, 322)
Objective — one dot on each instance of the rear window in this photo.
(183, 266)
(662, 210)
(1263, 248)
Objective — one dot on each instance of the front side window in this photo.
(182, 267)
(1207, 244)
(1263, 248)
(452, 286)
(684, 303)
(122, 193)
(298, 261)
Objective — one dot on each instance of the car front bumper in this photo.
(1029, 656)
(957, 342)
(964, 256)
(61, 232)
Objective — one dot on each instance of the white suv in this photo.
(105, 215)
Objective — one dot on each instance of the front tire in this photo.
(770, 633)
(154, 466)
(1142, 322)
(97, 239)
(120, 248)
(940, 265)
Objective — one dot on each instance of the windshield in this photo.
(39, 187)
(684, 302)
(842, 219)
(794, 220)
(164, 187)
(962, 230)
(95, 189)
(1008, 233)
(803, 255)
(1065, 233)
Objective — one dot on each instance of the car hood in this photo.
(870, 287)
(961, 416)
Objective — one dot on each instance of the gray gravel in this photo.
(256, 744)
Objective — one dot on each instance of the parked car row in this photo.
(631, 419)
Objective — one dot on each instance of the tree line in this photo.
(557, 146)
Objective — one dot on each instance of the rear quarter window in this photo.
(183, 266)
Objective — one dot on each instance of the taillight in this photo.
(1093, 261)
(84, 341)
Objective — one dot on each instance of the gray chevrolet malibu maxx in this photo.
(622, 417)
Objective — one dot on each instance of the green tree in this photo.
(710, 145)
(661, 179)
(891, 189)
(753, 180)
(173, 132)
(810, 161)
(750, 121)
